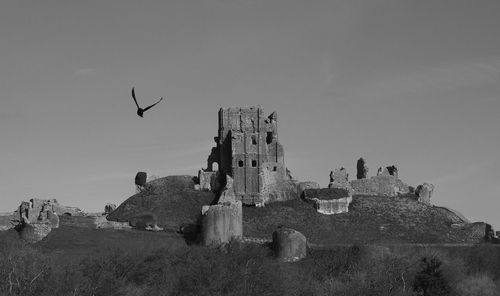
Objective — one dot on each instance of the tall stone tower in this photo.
(248, 150)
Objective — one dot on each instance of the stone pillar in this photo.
(362, 169)
(289, 245)
(141, 178)
(221, 223)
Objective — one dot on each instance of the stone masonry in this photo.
(247, 150)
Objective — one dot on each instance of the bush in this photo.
(430, 279)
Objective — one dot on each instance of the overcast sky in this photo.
(411, 83)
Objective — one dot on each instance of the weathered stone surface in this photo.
(208, 180)
(480, 231)
(340, 179)
(381, 185)
(249, 152)
(102, 223)
(289, 245)
(141, 178)
(143, 220)
(329, 201)
(221, 223)
(388, 171)
(53, 219)
(227, 194)
(38, 211)
(34, 232)
(362, 169)
(301, 186)
(424, 192)
(108, 208)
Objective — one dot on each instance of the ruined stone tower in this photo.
(248, 151)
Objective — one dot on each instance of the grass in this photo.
(370, 220)
(172, 199)
(80, 261)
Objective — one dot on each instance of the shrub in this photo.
(430, 280)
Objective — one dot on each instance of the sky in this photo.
(410, 83)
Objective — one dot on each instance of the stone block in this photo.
(35, 232)
(289, 245)
(221, 223)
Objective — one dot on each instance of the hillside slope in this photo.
(370, 219)
(172, 199)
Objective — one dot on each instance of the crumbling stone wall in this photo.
(207, 180)
(424, 192)
(340, 179)
(36, 219)
(248, 150)
(381, 185)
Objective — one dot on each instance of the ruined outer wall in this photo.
(381, 185)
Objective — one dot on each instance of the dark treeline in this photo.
(247, 270)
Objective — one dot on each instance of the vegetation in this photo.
(134, 263)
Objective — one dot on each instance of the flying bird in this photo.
(141, 111)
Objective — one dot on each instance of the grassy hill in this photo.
(370, 220)
(173, 199)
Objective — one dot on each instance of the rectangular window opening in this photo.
(254, 163)
(275, 169)
(254, 140)
(269, 137)
(240, 163)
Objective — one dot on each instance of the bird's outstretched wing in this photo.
(149, 107)
(135, 100)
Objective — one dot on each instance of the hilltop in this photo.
(370, 219)
(172, 199)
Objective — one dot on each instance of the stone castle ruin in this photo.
(247, 150)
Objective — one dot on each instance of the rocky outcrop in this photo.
(289, 245)
(329, 201)
(424, 192)
(362, 169)
(221, 223)
(340, 179)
